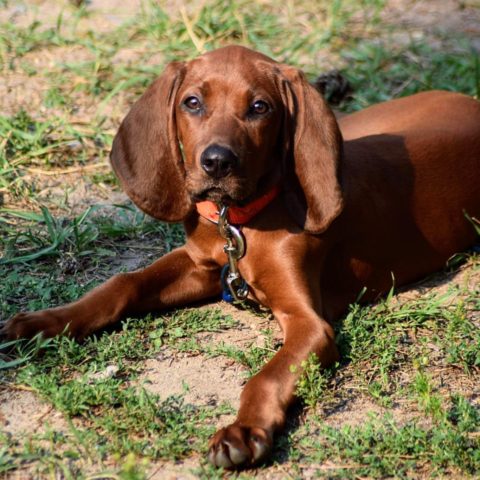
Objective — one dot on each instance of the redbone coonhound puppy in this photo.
(325, 208)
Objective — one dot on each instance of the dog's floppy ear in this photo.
(314, 149)
(146, 154)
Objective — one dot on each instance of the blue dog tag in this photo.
(227, 296)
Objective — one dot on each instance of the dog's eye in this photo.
(193, 104)
(259, 107)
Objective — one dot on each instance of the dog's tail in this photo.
(334, 87)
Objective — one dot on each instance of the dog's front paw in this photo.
(27, 325)
(238, 446)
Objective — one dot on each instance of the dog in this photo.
(247, 154)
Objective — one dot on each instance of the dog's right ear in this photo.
(313, 140)
(146, 154)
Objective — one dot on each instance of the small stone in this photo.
(109, 372)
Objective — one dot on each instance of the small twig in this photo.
(5, 140)
(65, 171)
(188, 25)
(40, 417)
(267, 349)
(331, 466)
(21, 387)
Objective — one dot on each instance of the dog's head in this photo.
(227, 127)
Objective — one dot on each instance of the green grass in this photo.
(382, 70)
(383, 447)
(34, 236)
(30, 145)
(313, 382)
(417, 361)
(111, 416)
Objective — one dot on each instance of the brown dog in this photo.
(322, 217)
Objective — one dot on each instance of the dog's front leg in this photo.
(171, 281)
(268, 394)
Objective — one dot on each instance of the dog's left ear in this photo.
(146, 154)
(314, 148)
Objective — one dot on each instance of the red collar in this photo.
(237, 215)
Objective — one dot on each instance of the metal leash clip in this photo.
(235, 288)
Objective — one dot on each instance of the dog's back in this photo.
(411, 172)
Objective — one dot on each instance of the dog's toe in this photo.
(238, 446)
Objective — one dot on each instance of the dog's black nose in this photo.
(218, 161)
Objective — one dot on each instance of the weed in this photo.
(79, 234)
(252, 356)
(25, 350)
(311, 385)
(428, 401)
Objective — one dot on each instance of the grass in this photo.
(413, 363)
(45, 235)
(382, 70)
(110, 415)
(384, 448)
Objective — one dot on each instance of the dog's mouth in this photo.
(232, 191)
(217, 195)
(237, 192)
